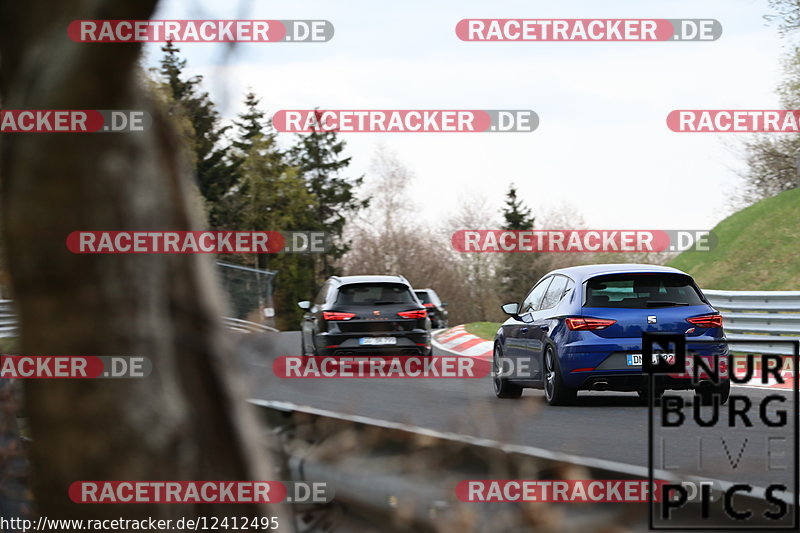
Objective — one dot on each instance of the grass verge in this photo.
(484, 330)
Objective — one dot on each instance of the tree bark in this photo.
(14, 497)
(186, 420)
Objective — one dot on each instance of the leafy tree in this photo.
(319, 157)
(478, 274)
(771, 167)
(772, 162)
(787, 13)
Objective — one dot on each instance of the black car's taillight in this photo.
(334, 316)
(416, 313)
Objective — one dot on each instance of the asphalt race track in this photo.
(602, 425)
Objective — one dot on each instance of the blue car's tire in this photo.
(644, 394)
(502, 387)
(707, 393)
(555, 391)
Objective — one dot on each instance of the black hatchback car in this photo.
(359, 315)
(435, 306)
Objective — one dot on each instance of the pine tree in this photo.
(274, 197)
(515, 214)
(251, 123)
(214, 171)
(518, 270)
(319, 158)
(271, 195)
(250, 127)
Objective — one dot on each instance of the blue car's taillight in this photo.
(582, 324)
(706, 321)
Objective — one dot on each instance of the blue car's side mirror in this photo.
(511, 309)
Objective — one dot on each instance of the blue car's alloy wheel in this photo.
(555, 391)
(502, 387)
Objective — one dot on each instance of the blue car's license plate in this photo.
(635, 359)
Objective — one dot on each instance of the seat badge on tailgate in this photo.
(651, 319)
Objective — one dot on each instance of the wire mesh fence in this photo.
(249, 292)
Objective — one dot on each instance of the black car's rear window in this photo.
(374, 294)
(641, 291)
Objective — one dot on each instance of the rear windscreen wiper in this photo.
(663, 303)
(385, 302)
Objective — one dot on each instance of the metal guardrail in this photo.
(765, 315)
(395, 478)
(399, 478)
(8, 322)
(245, 326)
(772, 315)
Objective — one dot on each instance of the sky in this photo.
(602, 151)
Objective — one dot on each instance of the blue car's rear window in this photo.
(641, 291)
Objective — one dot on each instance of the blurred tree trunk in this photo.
(14, 498)
(185, 421)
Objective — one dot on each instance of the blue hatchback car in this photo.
(580, 328)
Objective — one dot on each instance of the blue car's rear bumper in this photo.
(590, 359)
